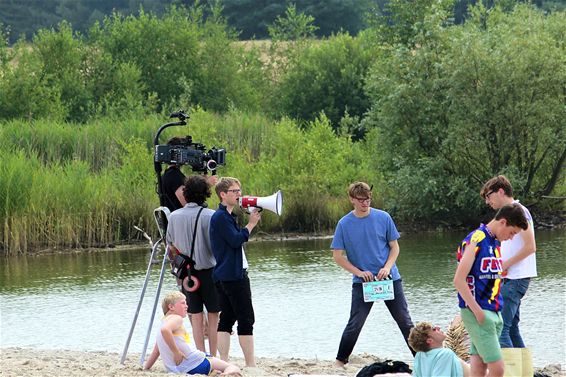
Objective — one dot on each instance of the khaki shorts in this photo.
(484, 338)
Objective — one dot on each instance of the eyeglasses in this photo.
(363, 200)
(235, 191)
(489, 193)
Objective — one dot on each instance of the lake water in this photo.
(87, 300)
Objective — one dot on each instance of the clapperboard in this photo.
(378, 290)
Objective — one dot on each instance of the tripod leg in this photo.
(155, 302)
(142, 294)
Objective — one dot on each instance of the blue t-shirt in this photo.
(438, 362)
(366, 241)
(484, 278)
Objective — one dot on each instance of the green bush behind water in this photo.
(435, 110)
(80, 185)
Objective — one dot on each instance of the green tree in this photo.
(402, 21)
(470, 102)
(326, 76)
(293, 26)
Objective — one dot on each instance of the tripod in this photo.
(161, 215)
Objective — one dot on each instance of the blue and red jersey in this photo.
(484, 278)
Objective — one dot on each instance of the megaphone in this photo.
(273, 203)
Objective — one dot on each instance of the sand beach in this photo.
(25, 362)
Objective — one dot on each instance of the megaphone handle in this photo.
(253, 209)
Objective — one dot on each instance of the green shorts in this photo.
(484, 339)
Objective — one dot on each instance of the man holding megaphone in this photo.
(230, 273)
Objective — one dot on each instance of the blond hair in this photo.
(419, 335)
(224, 184)
(171, 298)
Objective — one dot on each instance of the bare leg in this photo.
(224, 344)
(465, 368)
(477, 367)
(198, 330)
(339, 364)
(227, 369)
(247, 345)
(495, 369)
(212, 327)
(205, 323)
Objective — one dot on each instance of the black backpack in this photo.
(387, 366)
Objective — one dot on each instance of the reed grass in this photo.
(68, 185)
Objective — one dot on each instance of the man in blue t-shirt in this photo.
(365, 244)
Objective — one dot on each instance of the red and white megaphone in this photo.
(273, 203)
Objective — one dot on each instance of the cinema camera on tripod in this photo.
(201, 160)
(196, 155)
(190, 153)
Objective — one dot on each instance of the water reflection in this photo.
(301, 298)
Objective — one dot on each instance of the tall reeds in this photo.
(85, 185)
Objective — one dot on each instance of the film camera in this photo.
(183, 151)
(188, 153)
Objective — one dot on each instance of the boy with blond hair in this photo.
(231, 271)
(432, 359)
(173, 344)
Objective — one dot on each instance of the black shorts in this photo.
(236, 305)
(206, 294)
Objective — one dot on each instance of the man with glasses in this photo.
(519, 261)
(230, 273)
(365, 244)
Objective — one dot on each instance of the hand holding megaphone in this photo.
(273, 203)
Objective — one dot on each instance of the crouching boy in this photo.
(478, 281)
(173, 344)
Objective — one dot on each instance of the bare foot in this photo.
(339, 364)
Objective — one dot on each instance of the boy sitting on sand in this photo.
(173, 345)
(431, 358)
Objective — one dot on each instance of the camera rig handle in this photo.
(182, 116)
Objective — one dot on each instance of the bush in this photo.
(326, 77)
(469, 103)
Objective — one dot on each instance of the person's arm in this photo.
(529, 247)
(172, 324)
(212, 180)
(152, 358)
(461, 284)
(225, 229)
(342, 261)
(180, 196)
(391, 259)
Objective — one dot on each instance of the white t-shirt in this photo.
(526, 268)
(244, 259)
(193, 357)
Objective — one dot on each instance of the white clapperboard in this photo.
(378, 290)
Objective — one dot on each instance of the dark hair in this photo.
(196, 189)
(514, 215)
(496, 183)
(176, 140)
(359, 189)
